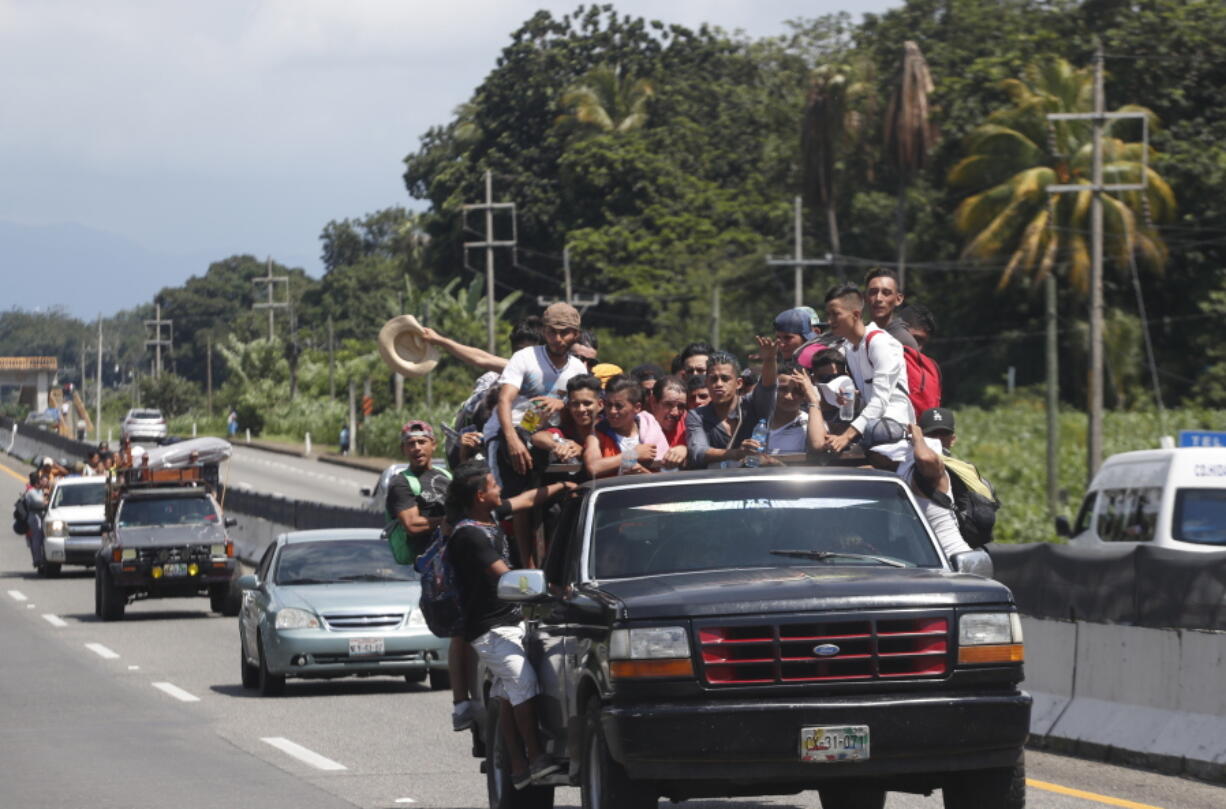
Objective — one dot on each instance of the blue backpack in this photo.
(440, 590)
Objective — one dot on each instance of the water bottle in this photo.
(760, 434)
(847, 392)
(630, 459)
(534, 416)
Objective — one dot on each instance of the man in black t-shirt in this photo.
(478, 552)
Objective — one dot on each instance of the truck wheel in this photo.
(502, 793)
(440, 680)
(1003, 788)
(224, 599)
(852, 798)
(49, 570)
(416, 676)
(271, 685)
(111, 600)
(251, 674)
(603, 781)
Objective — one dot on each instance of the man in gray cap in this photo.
(795, 327)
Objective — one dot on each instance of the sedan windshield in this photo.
(742, 522)
(169, 511)
(85, 494)
(341, 560)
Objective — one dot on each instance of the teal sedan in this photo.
(334, 603)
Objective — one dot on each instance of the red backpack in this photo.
(923, 377)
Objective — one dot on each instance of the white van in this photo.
(1170, 498)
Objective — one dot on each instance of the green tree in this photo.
(1014, 157)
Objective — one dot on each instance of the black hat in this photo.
(936, 420)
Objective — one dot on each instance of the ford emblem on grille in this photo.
(825, 650)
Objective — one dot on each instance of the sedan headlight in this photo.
(291, 618)
(655, 651)
(990, 637)
(57, 528)
(417, 618)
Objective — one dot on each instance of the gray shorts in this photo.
(502, 651)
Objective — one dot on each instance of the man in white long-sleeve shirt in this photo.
(875, 363)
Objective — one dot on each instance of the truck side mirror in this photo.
(976, 562)
(230, 522)
(366, 491)
(523, 585)
(1062, 527)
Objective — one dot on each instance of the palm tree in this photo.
(909, 136)
(1018, 152)
(606, 100)
(830, 122)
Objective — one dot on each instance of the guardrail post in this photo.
(248, 435)
(193, 429)
(307, 442)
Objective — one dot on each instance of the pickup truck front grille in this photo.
(842, 650)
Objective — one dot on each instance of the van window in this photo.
(1200, 516)
(1129, 515)
(1087, 512)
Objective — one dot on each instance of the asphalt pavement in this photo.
(150, 711)
(297, 478)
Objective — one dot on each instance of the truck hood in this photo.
(76, 514)
(799, 589)
(170, 535)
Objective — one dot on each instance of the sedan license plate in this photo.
(174, 569)
(365, 647)
(834, 743)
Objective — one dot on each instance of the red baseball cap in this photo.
(416, 429)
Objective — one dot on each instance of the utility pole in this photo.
(489, 243)
(1094, 441)
(715, 295)
(98, 387)
(331, 361)
(157, 342)
(1053, 399)
(208, 370)
(798, 261)
(270, 281)
(580, 303)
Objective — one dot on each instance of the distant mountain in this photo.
(86, 271)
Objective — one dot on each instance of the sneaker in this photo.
(521, 780)
(462, 715)
(544, 765)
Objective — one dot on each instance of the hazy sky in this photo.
(203, 129)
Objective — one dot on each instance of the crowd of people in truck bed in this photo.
(832, 388)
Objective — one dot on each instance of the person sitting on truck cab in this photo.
(479, 554)
(925, 471)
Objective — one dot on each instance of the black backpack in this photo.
(974, 502)
(21, 517)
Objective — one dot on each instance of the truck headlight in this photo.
(655, 651)
(990, 637)
(291, 618)
(57, 528)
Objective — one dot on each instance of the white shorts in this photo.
(502, 650)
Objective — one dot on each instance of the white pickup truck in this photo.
(73, 525)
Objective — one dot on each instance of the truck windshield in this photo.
(740, 522)
(86, 494)
(169, 511)
(327, 562)
(1200, 516)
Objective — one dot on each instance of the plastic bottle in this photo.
(760, 435)
(630, 459)
(534, 416)
(847, 391)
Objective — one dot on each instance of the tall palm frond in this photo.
(909, 135)
(605, 100)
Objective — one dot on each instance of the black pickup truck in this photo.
(764, 632)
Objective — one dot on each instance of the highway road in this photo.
(297, 478)
(149, 712)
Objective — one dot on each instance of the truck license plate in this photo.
(175, 569)
(834, 743)
(365, 647)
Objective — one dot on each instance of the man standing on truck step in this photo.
(415, 501)
(478, 553)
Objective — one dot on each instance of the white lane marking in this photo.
(176, 692)
(54, 620)
(101, 651)
(31, 606)
(133, 668)
(404, 800)
(302, 754)
(17, 595)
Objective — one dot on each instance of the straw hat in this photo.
(403, 348)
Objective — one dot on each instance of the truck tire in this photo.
(271, 685)
(603, 782)
(502, 793)
(440, 680)
(111, 600)
(1003, 788)
(416, 676)
(49, 570)
(223, 599)
(852, 798)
